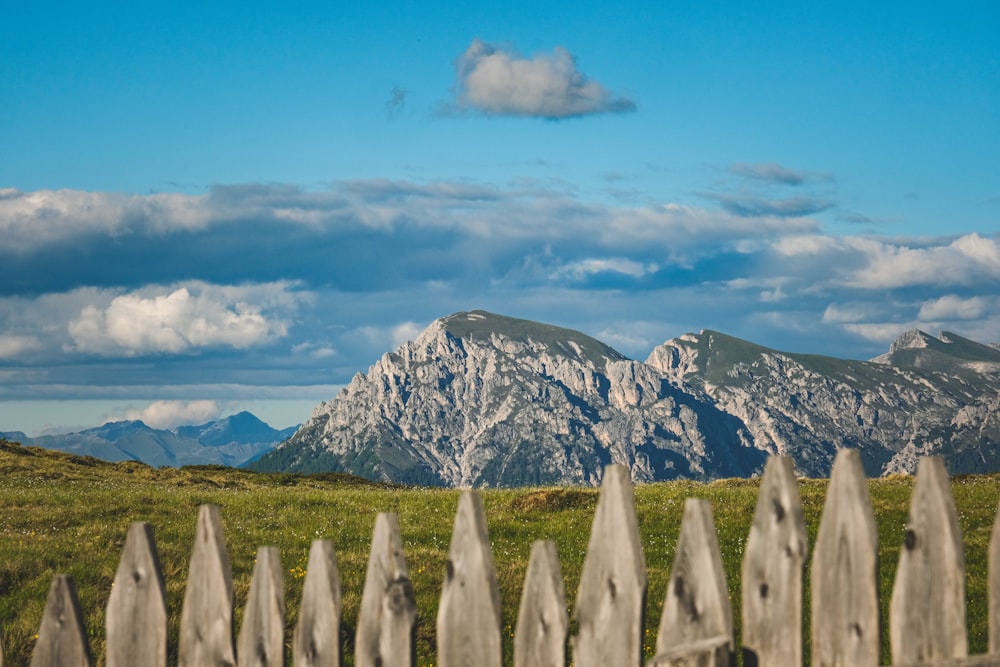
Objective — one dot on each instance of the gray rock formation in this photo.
(925, 396)
(484, 400)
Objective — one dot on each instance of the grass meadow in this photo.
(66, 514)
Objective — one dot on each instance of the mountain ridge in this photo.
(232, 441)
(480, 399)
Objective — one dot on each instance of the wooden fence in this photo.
(927, 616)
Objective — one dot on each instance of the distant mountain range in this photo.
(485, 400)
(231, 441)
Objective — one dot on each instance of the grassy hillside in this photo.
(65, 514)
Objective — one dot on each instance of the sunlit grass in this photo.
(59, 514)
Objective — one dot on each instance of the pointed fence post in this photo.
(136, 618)
(611, 599)
(542, 622)
(388, 615)
(316, 642)
(206, 629)
(262, 637)
(62, 637)
(994, 584)
(844, 572)
(773, 565)
(697, 623)
(927, 612)
(469, 616)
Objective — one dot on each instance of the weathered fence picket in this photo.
(262, 636)
(844, 594)
(388, 613)
(994, 585)
(316, 642)
(696, 627)
(612, 595)
(62, 637)
(469, 615)
(136, 617)
(927, 610)
(542, 621)
(206, 632)
(773, 566)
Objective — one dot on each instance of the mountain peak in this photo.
(949, 352)
(484, 327)
(914, 339)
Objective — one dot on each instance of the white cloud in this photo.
(314, 350)
(964, 261)
(31, 219)
(169, 414)
(12, 346)
(497, 81)
(180, 320)
(952, 307)
(588, 267)
(391, 336)
(881, 332)
(806, 244)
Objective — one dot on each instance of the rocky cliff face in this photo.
(484, 400)
(926, 396)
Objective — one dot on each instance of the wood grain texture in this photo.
(844, 572)
(542, 621)
(773, 567)
(62, 637)
(927, 611)
(136, 617)
(610, 601)
(388, 615)
(206, 628)
(316, 641)
(469, 615)
(697, 606)
(262, 637)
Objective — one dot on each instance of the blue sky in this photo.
(217, 206)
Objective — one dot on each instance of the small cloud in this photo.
(588, 267)
(751, 206)
(170, 414)
(13, 346)
(389, 336)
(314, 350)
(953, 307)
(855, 218)
(397, 100)
(772, 172)
(498, 82)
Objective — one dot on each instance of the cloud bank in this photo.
(255, 289)
(174, 321)
(498, 82)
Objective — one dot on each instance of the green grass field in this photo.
(64, 514)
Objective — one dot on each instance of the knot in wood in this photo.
(679, 587)
(910, 539)
(779, 510)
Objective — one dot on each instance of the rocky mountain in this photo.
(485, 400)
(925, 396)
(231, 441)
